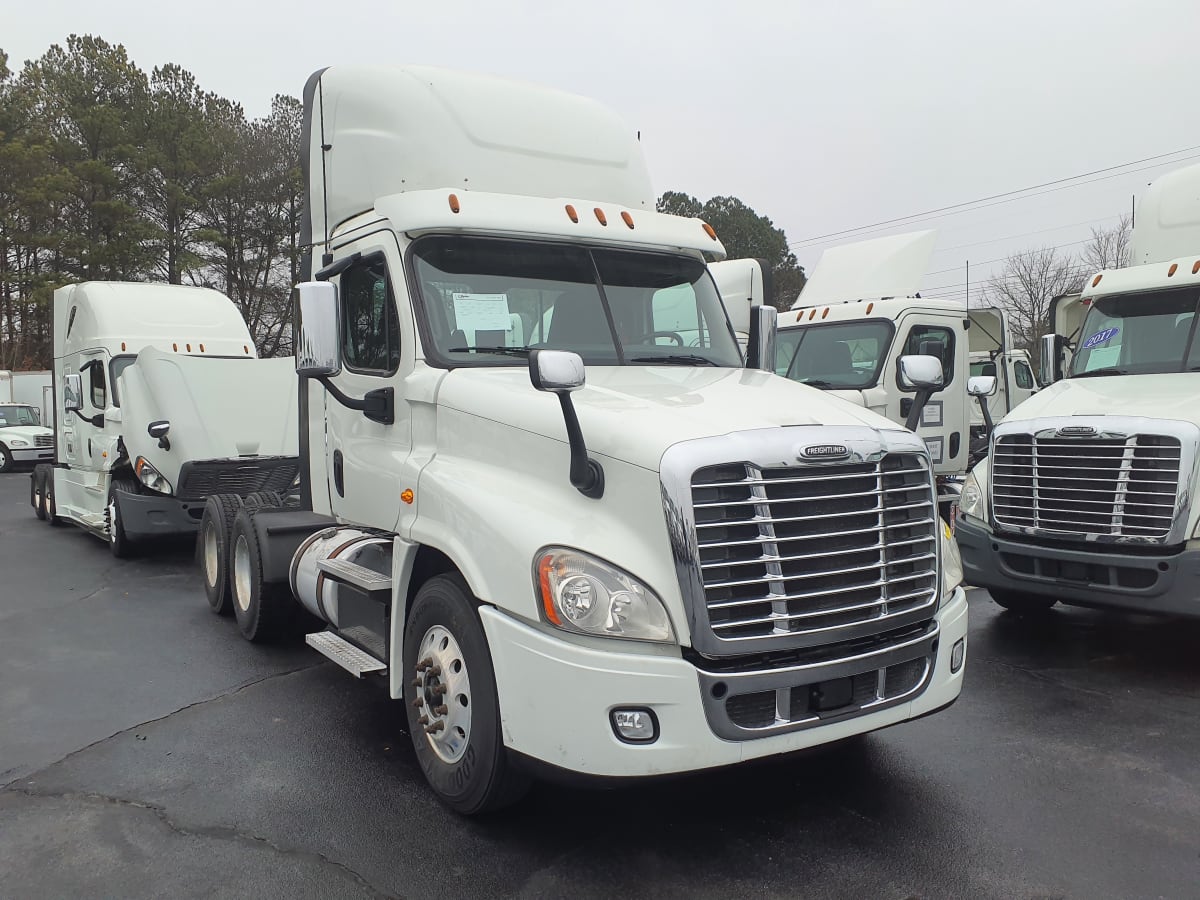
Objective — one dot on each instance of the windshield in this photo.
(842, 355)
(1139, 334)
(13, 414)
(489, 301)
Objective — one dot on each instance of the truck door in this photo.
(365, 458)
(945, 421)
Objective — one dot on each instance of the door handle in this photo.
(338, 473)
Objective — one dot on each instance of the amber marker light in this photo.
(1171, 271)
(571, 214)
(407, 495)
(870, 306)
(1096, 280)
(201, 348)
(825, 312)
(544, 566)
(600, 217)
(175, 347)
(454, 207)
(246, 347)
(1195, 269)
(812, 313)
(189, 348)
(708, 229)
(123, 343)
(627, 219)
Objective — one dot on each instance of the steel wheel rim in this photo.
(46, 500)
(210, 554)
(112, 519)
(241, 573)
(444, 692)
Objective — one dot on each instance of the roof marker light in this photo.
(708, 229)
(571, 214)
(1096, 280)
(123, 343)
(825, 313)
(454, 203)
(189, 348)
(870, 306)
(201, 348)
(600, 217)
(628, 219)
(1171, 271)
(246, 347)
(812, 312)
(175, 347)
(1195, 269)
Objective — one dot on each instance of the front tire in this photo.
(265, 610)
(37, 487)
(49, 507)
(216, 530)
(6, 460)
(119, 543)
(1031, 604)
(453, 706)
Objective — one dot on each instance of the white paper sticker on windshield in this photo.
(482, 312)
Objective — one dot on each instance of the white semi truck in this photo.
(859, 314)
(618, 551)
(1088, 495)
(161, 401)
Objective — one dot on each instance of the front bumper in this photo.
(27, 455)
(156, 515)
(1163, 583)
(556, 698)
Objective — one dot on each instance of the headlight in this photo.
(17, 442)
(586, 595)
(151, 477)
(952, 570)
(972, 500)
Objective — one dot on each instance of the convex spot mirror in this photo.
(73, 393)
(981, 385)
(319, 352)
(557, 371)
(919, 371)
(158, 429)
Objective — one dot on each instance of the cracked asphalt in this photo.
(146, 750)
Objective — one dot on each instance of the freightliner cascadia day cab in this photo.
(618, 551)
(1087, 496)
(161, 401)
(859, 315)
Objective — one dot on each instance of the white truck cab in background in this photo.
(24, 437)
(859, 315)
(543, 495)
(1088, 494)
(161, 401)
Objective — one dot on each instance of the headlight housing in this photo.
(583, 594)
(151, 477)
(18, 442)
(972, 502)
(952, 570)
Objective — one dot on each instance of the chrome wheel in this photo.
(210, 553)
(241, 573)
(443, 694)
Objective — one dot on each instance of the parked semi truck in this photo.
(618, 552)
(24, 440)
(1087, 496)
(859, 315)
(161, 401)
(31, 388)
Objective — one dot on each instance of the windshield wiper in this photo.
(1107, 370)
(676, 359)
(508, 351)
(818, 383)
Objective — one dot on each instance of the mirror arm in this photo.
(337, 268)
(988, 424)
(378, 405)
(587, 476)
(918, 406)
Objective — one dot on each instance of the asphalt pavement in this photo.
(146, 750)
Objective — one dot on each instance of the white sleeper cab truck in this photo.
(24, 440)
(616, 551)
(1088, 494)
(162, 401)
(858, 318)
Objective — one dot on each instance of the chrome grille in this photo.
(43, 440)
(815, 554)
(1119, 486)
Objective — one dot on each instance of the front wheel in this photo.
(6, 460)
(118, 542)
(452, 703)
(1022, 603)
(37, 487)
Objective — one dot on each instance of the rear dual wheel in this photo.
(216, 527)
(264, 609)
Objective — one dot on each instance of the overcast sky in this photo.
(824, 116)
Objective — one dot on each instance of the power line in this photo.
(1005, 197)
(1013, 237)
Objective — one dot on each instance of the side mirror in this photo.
(920, 372)
(159, 430)
(981, 385)
(73, 393)
(318, 354)
(556, 371)
(1052, 358)
(764, 325)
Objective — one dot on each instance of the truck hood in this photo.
(24, 432)
(1147, 396)
(634, 413)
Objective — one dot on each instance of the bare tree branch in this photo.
(1025, 287)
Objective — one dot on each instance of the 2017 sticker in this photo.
(1100, 337)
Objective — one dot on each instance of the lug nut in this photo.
(435, 727)
(416, 682)
(440, 689)
(435, 670)
(440, 710)
(419, 702)
(423, 720)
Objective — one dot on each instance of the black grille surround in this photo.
(1118, 482)
(244, 475)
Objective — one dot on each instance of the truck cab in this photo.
(545, 499)
(24, 440)
(1087, 495)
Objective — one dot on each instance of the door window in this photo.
(931, 340)
(370, 325)
(98, 385)
(1024, 375)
